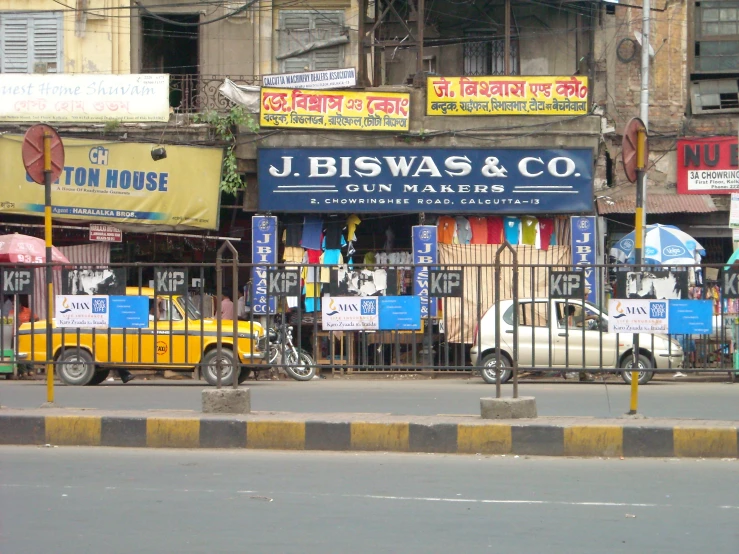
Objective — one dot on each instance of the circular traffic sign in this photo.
(33, 152)
(629, 147)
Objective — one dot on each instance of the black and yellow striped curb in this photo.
(455, 438)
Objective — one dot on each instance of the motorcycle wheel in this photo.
(301, 369)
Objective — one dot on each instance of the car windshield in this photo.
(603, 310)
(192, 310)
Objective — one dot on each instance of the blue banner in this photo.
(129, 312)
(584, 252)
(263, 253)
(690, 317)
(425, 251)
(400, 312)
(435, 180)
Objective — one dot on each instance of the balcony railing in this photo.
(199, 93)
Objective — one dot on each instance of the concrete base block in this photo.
(226, 401)
(508, 408)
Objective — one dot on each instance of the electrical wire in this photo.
(199, 23)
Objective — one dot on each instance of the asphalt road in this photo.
(71, 500)
(677, 399)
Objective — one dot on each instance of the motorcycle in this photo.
(297, 362)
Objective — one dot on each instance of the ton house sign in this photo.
(436, 180)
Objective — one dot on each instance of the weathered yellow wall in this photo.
(103, 45)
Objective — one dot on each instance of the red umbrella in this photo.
(22, 249)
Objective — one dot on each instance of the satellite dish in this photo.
(638, 36)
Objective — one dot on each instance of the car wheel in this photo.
(244, 375)
(492, 364)
(210, 366)
(99, 377)
(302, 369)
(644, 364)
(75, 366)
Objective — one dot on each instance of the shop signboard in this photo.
(638, 316)
(82, 311)
(497, 95)
(129, 312)
(16, 281)
(335, 78)
(105, 233)
(263, 254)
(120, 183)
(584, 252)
(432, 180)
(84, 97)
(350, 313)
(400, 313)
(425, 251)
(707, 165)
(335, 109)
(691, 317)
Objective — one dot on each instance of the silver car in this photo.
(574, 339)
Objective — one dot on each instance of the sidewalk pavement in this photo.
(543, 436)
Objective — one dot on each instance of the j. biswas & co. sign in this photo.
(513, 181)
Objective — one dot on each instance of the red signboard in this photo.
(105, 233)
(707, 165)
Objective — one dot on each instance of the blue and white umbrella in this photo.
(663, 245)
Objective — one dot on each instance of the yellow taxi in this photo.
(177, 338)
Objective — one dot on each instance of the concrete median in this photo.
(586, 437)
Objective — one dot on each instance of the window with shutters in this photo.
(31, 43)
(301, 30)
(714, 86)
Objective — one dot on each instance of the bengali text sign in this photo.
(457, 96)
(341, 110)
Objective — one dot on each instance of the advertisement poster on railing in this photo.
(263, 254)
(584, 252)
(638, 316)
(350, 313)
(84, 97)
(425, 251)
(120, 183)
(339, 110)
(496, 95)
(82, 311)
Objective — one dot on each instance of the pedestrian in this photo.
(227, 307)
(241, 305)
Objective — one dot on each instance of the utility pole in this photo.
(641, 186)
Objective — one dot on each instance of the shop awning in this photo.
(622, 200)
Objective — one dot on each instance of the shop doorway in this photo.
(173, 49)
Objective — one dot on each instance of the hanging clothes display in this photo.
(293, 231)
(312, 232)
(479, 228)
(464, 232)
(528, 230)
(446, 228)
(511, 227)
(546, 232)
(495, 230)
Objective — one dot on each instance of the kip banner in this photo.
(435, 180)
(84, 97)
(341, 110)
(507, 95)
(119, 183)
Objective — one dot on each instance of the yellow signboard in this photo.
(119, 183)
(334, 109)
(522, 95)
